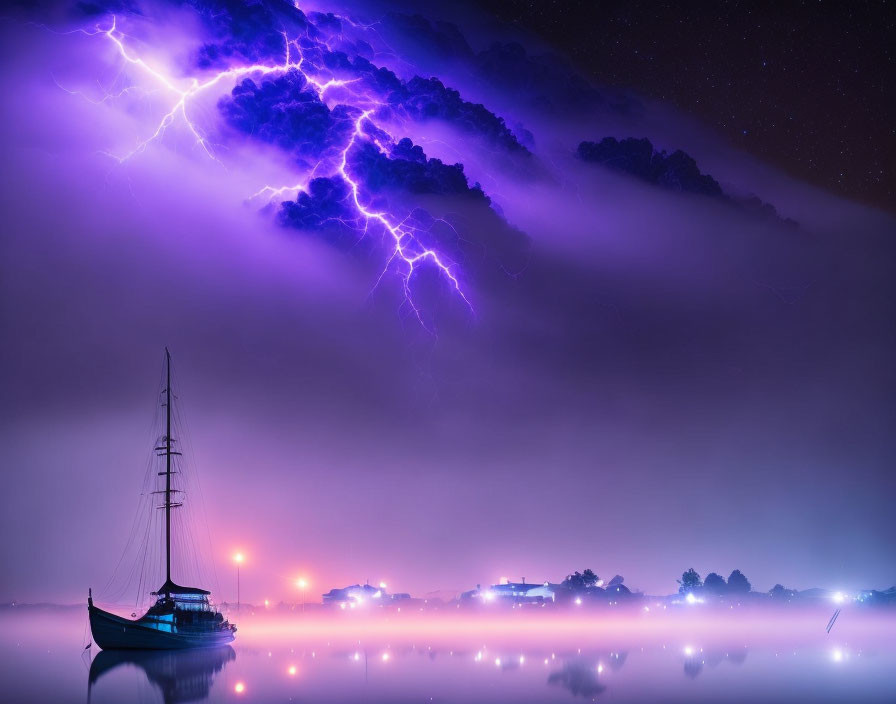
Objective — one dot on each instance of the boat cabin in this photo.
(178, 608)
(183, 598)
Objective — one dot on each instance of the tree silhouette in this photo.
(689, 581)
(779, 591)
(579, 581)
(715, 583)
(574, 582)
(737, 583)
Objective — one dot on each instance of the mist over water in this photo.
(766, 657)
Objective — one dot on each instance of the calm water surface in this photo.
(757, 660)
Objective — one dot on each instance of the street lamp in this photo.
(238, 559)
(301, 583)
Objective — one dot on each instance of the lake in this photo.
(683, 657)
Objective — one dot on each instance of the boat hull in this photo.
(111, 632)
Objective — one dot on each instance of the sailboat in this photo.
(181, 617)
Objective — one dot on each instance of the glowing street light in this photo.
(238, 558)
(239, 688)
(301, 583)
(382, 585)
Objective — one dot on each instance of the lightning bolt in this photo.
(406, 244)
(407, 253)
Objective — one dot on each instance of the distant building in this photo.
(356, 593)
(618, 590)
(361, 593)
(513, 592)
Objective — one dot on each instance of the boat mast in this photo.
(167, 472)
(168, 452)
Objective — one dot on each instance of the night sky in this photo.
(807, 86)
(438, 314)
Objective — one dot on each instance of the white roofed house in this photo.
(357, 594)
(520, 592)
(354, 594)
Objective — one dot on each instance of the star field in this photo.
(807, 86)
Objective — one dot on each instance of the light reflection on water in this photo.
(41, 662)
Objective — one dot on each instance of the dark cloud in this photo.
(429, 98)
(285, 112)
(438, 38)
(547, 81)
(637, 157)
(543, 81)
(250, 31)
(394, 182)
(407, 167)
(677, 171)
(256, 32)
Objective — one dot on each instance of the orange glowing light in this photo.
(239, 688)
(238, 558)
(301, 583)
(292, 670)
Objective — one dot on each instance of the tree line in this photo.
(714, 583)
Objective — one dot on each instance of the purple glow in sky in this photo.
(652, 380)
(406, 248)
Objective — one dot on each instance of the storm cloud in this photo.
(647, 380)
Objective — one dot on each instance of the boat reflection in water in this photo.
(580, 678)
(179, 675)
